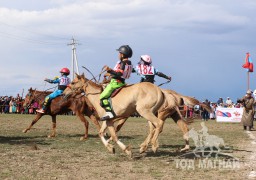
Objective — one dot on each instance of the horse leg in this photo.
(104, 141)
(184, 128)
(86, 125)
(120, 124)
(118, 127)
(158, 124)
(38, 116)
(144, 145)
(126, 149)
(53, 134)
(94, 118)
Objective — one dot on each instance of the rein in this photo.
(86, 84)
(164, 83)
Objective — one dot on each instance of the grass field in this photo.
(34, 156)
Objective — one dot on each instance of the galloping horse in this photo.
(145, 98)
(78, 104)
(170, 111)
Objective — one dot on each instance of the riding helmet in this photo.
(126, 50)
(65, 71)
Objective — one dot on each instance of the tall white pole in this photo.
(74, 63)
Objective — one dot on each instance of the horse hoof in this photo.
(143, 149)
(128, 151)
(184, 149)
(111, 149)
(83, 138)
(24, 131)
(154, 148)
(50, 136)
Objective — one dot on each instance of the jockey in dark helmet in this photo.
(147, 71)
(63, 82)
(119, 73)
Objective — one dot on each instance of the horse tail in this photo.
(206, 107)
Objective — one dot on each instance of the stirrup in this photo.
(108, 115)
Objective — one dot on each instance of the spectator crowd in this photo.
(11, 104)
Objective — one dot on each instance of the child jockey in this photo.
(121, 71)
(147, 71)
(63, 82)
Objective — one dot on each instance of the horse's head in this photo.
(29, 98)
(76, 86)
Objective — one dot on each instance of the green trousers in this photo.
(104, 96)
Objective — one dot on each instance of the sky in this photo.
(200, 44)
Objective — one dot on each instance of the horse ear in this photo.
(77, 75)
(83, 76)
(30, 89)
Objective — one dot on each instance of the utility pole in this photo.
(74, 63)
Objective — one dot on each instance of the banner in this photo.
(229, 114)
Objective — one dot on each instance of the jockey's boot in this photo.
(109, 112)
(108, 115)
(40, 111)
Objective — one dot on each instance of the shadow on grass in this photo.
(23, 140)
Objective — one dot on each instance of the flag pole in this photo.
(248, 80)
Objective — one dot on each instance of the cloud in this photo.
(188, 39)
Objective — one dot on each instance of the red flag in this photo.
(248, 63)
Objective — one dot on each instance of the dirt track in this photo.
(34, 156)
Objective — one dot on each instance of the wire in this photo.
(23, 38)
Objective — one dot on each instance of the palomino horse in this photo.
(78, 104)
(170, 111)
(145, 98)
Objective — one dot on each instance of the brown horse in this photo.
(145, 98)
(79, 104)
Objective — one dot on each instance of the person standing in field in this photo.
(248, 110)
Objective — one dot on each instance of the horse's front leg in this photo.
(104, 141)
(38, 116)
(53, 134)
(111, 128)
(86, 125)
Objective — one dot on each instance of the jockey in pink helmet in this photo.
(147, 71)
(63, 82)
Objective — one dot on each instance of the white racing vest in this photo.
(64, 81)
(127, 70)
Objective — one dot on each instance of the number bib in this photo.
(64, 81)
(146, 69)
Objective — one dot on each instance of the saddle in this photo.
(116, 91)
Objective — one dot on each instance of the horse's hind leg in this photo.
(158, 124)
(184, 128)
(38, 116)
(53, 134)
(144, 145)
